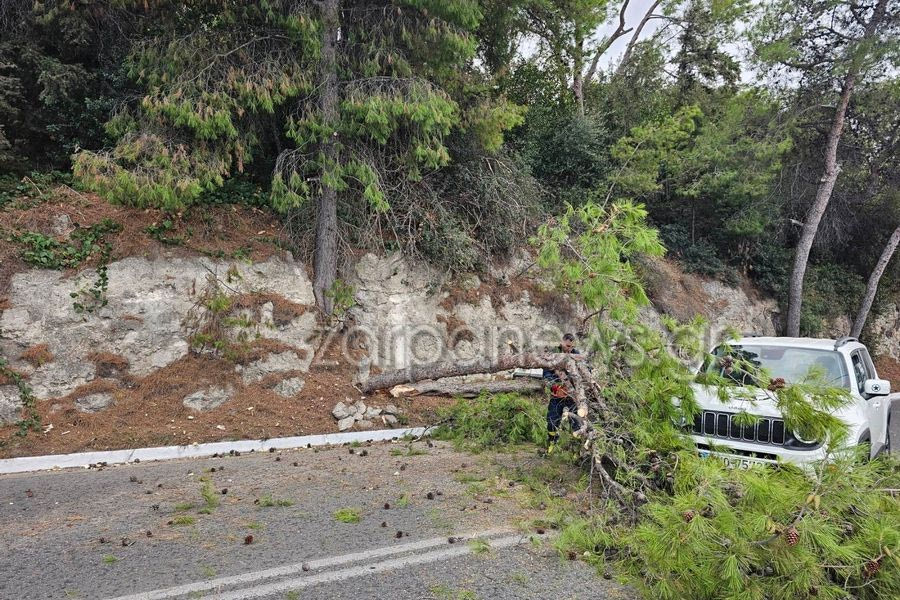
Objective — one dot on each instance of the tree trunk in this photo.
(439, 370)
(814, 216)
(469, 390)
(578, 77)
(636, 37)
(874, 278)
(826, 184)
(577, 373)
(325, 261)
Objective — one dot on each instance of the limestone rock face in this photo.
(405, 313)
(884, 328)
(290, 387)
(685, 295)
(10, 404)
(143, 320)
(208, 399)
(837, 327)
(404, 318)
(94, 403)
(60, 377)
(274, 363)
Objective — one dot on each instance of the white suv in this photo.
(845, 362)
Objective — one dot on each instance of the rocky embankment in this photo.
(182, 337)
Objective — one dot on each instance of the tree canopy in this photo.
(438, 128)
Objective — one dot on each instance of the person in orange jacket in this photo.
(560, 393)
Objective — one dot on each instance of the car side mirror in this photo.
(877, 387)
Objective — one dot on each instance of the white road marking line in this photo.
(252, 577)
(348, 573)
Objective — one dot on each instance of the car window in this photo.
(791, 364)
(859, 369)
(870, 366)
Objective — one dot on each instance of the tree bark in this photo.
(814, 216)
(874, 278)
(470, 390)
(826, 185)
(575, 371)
(325, 260)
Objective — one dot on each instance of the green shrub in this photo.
(695, 256)
(564, 150)
(35, 185)
(488, 422)
(830, 290)
(770, 268)
(48, 253)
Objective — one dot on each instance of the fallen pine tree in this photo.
(681, 526)
(585, 390)
(577, 373)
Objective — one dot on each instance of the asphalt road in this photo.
(147, 531)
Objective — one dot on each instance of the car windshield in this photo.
(790, 364)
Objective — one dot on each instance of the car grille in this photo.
(722, 425)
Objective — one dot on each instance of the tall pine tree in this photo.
(358, 98)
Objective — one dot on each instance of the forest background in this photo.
(757, 135)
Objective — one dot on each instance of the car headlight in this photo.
(802, 441)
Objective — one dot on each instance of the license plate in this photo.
(737, 463)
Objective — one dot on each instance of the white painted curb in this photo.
(27, 464)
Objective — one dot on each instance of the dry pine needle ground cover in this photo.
(148, 411)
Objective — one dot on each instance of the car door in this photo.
(873, 406)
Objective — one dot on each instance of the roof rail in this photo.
(843, 340)
(750, 334)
